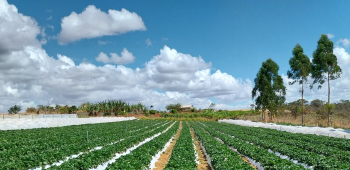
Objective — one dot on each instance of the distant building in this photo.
(187, 107)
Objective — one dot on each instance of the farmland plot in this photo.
(138, 144)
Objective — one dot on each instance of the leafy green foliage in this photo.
(324, 62)
(300, 69)
(30, 110)
(45, 146)
(176, 106)
(269, 91)
(93, 159)
(14, 109)
(141, 157)
(308, 149)
(300, 66)
(174, 111)
(182, 156)
(221, 156)
(325, 65)
(152, 112)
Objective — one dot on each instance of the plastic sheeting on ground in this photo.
(340, 133)
(22, 123)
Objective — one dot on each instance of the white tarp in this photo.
(340, 133)
(13, 124)
(37, 116)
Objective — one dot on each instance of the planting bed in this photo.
(158, 144)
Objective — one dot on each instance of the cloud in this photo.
(50, 26)
(49, 18)
(29, 76)
(125, 58)
(165, 39)
(93, 22)
(345, 42)
(99, 42)
(330, 36)
(17, 30)
(148, 42)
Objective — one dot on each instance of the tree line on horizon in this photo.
(269, 90)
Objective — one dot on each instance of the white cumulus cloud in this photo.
(330, 36)
(93, 22)
(148, 42)
(345, 42)
(125, 58)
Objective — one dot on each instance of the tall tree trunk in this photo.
(329, 100)
(302, 102)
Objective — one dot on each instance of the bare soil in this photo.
(164, 157)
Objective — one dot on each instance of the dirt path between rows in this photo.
(203, 164)
(164, 157)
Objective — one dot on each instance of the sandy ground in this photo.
(164, 157)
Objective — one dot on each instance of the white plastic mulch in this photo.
(14, 124)
(332, 132)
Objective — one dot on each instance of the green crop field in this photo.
(134, 144)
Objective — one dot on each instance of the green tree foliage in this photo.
(174, 111)
(15, 109)
(269, 91)
(317, 103)
(176, 106)
(152, 112)
(193, 110)
(30, 110)
(300, 68)
(325, 66)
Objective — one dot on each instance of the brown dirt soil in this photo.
(203, 164)
(164, 157)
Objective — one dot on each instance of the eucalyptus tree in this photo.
(269, 91)
(300, 69)
(325, 67)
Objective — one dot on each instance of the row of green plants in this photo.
(141, 157)
(183, 155)
(331, 147)
(46, 146)
(266, 159)
(98, 157)
(259, 139)
(211, 114)
(340, 143)
(222, 157)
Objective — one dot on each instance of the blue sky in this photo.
(235, 36)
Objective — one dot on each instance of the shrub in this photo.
(30, 110)
(14, 109)
(163, 114)
(193, 110)
(152, 112)
(106, 114)
(125, 114)
(174, 111)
